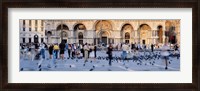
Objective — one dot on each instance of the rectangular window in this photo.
(42, 40)
(29, 29)
(29, 40)
(35, 28)
(41, 29)
(23, 29)
(23, 40)
(29, 22)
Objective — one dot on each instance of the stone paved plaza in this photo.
(147, 61)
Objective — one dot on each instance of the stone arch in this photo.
(106, 25)
(170, 32)
(77, 28)
(126, 28)
(104, 37)
(144, 33)
(59, 26)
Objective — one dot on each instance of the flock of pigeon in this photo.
(144, 58)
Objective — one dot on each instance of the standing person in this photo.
(62, 49)
(95, 51)
(69, 50)
(124, 51)
(109, 52)
(90, 50)
(50, 51)
(165, 53)
(56, 48)
(42, 51)
(66, 48)
(152, 46)
(53, 60)
(86, 50)
(132, 46)
(82, 50)
(73, 50)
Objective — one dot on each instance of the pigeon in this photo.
(166, 68)
(39, 66)
(21, 69)
(40, 69)
(91, 69)
(70, 66)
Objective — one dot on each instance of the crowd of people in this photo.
(65, 51)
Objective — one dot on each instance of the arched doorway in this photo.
(79, 29)
(103, 28)
(145, 31)
(80, 37)
(49, 33)
(160, 34)
(127, 37)
(59, 34)
(170, 32)
(125, 33)
(65, 36)
(104, 37)
(36, 38)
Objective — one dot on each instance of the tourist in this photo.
(56, 49)
(69, 50)
(86, 50)
(50, 50)
(125, 49)
(109, 52)
(95, 51)
(165, 53)
(82, 50)
(42, 51)
(66, 47)
(62, 49)
(73, 50)
(152, 47)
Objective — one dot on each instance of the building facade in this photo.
(101, 31)
(32, 31)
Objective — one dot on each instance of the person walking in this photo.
(42, 53)
(50, 51)
(109, 52)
